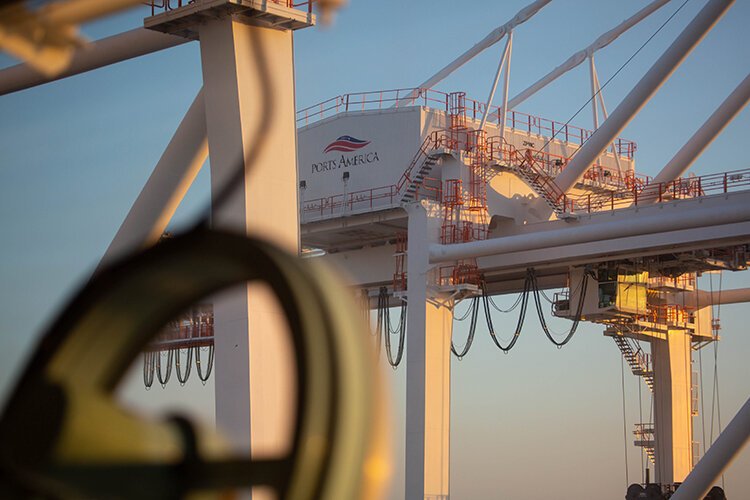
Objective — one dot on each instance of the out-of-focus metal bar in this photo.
(111, 50)
(74, 12)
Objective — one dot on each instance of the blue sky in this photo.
(75, 153)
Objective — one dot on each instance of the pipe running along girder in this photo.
(491, 39)
(704, 298)
(632, 226)
(580, 56)
(110, 50)
(642, 92)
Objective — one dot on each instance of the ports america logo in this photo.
(346, 144)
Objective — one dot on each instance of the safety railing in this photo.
(644, 434)
(463, 273)
(462, 232)
(195, 329)
(671, 314)
(630, 190)
(682, 282)
(368, 199)
(431, 188)
(350, 202)
(553, 164)
(384, 99)
(644, 192)
(158, 6)
(374, 100)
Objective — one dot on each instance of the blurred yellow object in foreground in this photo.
(62, 433)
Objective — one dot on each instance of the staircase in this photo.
(636, 359)
(525, 164)
(417, 181)
(650, 454)
(531, 170)
(426, 158)
(539, 184)
(644, 438)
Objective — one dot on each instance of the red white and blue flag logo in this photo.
(346, 143)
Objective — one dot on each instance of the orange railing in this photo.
(638, 192)
(683, 282)
(672, 314)
(167, 5)
(630, 189)
(356, 200)
(193, 329)
(383, 99)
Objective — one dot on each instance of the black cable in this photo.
(148, 368)
(544, 295)
(524, 297)
(472, 330)
(163, 379)
(624, 419)
(183, 378)
(499, 309)
(199, 368)
(640, 421)
(379, 322)
(703, 410)
(540, 313)
(466, 314)
(384, 327)
(401, 340)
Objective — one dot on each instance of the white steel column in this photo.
(598, 94)
(504, 109)
(673, 421)
(427, 373)
(500, 66)
(248, 72)
(594, 90)
(642, 92)
(179, 164)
